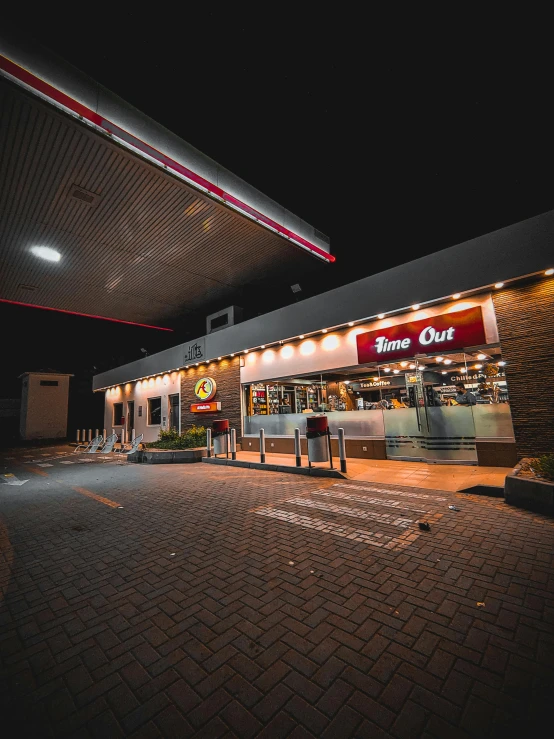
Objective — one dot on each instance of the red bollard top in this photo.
(221, 424)
(316, 423)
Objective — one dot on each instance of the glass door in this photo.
(130, 419)
(174, 412)
(449, 431)
(429, 430)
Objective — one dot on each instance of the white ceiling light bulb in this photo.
(387, 369)
(478, 366)
(481, 356)
(301, 336)
(396, 371)
(403, 364)
(501, 364)
(448, 361)
(444, 372)
(262, 346)
(323, 330)
(415, 306)
(351, 323)
(549, 272)
(456, 296)
(412, 366)
(498, 285)
(439, 359)
(45, 252)
(380, 315)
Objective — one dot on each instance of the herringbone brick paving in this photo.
(237, 603)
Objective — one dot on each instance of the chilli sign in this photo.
(437, 334)
(205, 389)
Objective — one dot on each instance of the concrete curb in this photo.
(309, 471)
(168, 456)
(531, 494)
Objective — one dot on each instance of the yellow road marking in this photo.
(82, 491)
(99, 498)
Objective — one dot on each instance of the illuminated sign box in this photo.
(205, 407)
(435, 334)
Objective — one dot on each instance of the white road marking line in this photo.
(44, 464)
(67, 462)
(388, 492)
(83, 461)
(370, 538)
(369, 501)
(386, 518)
(10, 479)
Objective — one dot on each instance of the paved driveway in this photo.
(195, 600)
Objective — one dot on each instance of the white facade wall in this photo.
(161, 386)
(337, 349)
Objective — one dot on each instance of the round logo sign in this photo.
(205, 388)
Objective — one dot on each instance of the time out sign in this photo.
(429, 335)
(205, 389)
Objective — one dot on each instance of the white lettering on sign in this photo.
(428, 336)
(388, 346)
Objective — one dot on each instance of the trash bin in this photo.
(317, 431)
(220, 436)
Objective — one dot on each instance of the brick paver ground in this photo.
(226, 602)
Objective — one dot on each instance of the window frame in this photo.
(149, 412)
(114, 424)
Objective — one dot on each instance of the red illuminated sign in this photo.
(428, 336)
(205, 407)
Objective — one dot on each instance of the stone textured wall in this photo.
(226, 373)
(525, 318)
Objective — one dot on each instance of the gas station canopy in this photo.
(107, 213)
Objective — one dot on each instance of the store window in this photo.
(117, 414)
(262, 399)
(154, 411)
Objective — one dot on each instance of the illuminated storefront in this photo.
(391, 383)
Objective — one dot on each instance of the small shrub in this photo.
(543, 466)
(189, 439)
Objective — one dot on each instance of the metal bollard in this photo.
(104, 432)
(233, 443)
(84, 435)
(342, 451)
(209, 442)
(297, 448)
(78, 436)
(96, 432)
(90, 434)
(133, 434)
(262, 446)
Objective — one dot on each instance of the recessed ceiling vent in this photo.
(30, 288)
(82, 195)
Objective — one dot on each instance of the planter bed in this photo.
(168, 456)
(527, 491)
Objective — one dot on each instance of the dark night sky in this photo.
(393, 143)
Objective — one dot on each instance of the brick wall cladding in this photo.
(227, 377)
(525, 319)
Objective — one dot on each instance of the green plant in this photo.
(543, 466)
(189, 439)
